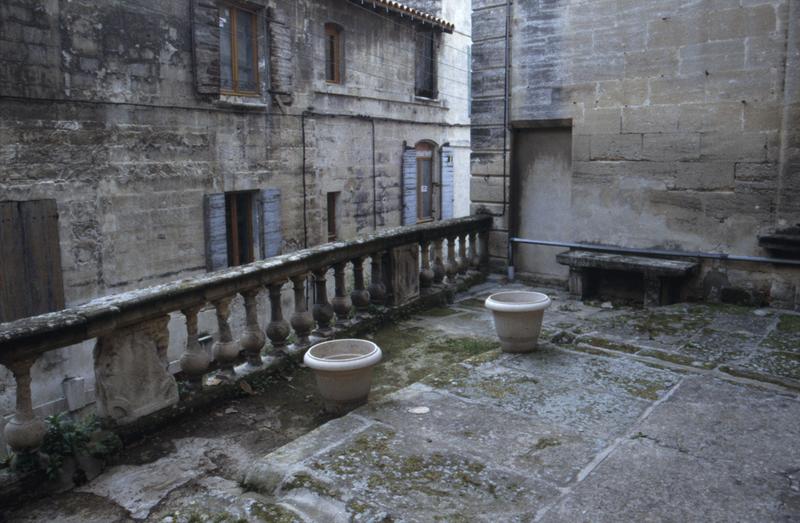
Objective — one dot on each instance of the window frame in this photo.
(332, 213)
(425, 147)
(254, 13)
(334, 30)
(232, 213)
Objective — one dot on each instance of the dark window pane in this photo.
(330, 59)
(425, 64)
(225, 51)
(246, 52)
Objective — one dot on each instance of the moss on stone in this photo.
(544, 443)
(678, 359)
(462, 346)
(273, 513)
(789, 323)
(605, 343)
(302, 480)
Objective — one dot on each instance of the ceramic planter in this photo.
(343, 369)
(518, 318)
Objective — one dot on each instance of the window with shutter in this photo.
(227, 37)
(30, 259)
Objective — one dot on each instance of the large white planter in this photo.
(343, 369)
(518, 318)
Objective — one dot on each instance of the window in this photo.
(333, 198)
(30, 259)
(239, 227)
(238, 55)
(424, 181)
(425, 83)
(242, 226)
(334, 65)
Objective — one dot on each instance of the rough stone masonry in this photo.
(683, 118)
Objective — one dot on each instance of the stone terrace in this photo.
(685, 412)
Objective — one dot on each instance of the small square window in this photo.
(238, 51)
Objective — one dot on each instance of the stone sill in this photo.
(248, 102)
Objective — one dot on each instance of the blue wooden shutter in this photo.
(216, 232)
(409, 215)
(447, 182)
(271, 222)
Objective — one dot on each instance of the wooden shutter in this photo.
(409, 215)
(205, 43)
(281, 52)
(30, 259)
(448, 175)
(271, 222)
(216, 232)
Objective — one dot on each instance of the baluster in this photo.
(323, 311)
(278, 328)
(474, 259)
(341, 302)
(24, 432)
(360, 296)
(438, 264)
(252, 340)
(194, 360)
(451, 267)
(462, 254)
(426, 274)
(225, 350)
(302, 321)
(377, 290)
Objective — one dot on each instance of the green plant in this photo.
(66, 437)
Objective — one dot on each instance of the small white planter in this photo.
(343, 369)
(518, 318)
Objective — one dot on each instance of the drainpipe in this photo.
(305, 219)
(374, 182)
(505, 135)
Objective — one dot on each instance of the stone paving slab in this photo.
(620, 416)
(714, 451)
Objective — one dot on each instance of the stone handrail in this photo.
(131, 327)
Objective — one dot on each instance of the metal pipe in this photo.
(656, 252)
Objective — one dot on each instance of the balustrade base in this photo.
(16, 487)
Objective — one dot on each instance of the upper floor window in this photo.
(238, 51)
(334, 64)
(425, 78)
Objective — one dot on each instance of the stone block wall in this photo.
(100, 110)
(683, 115)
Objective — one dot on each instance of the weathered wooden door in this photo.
(30, 259)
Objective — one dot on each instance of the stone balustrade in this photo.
(130, 361)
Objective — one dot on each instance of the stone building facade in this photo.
(162, 130)
(670, 125)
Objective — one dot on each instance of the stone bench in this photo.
(660, 275)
